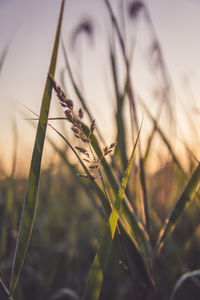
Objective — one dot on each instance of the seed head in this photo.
(82, 150)
(75, 130)
(82, 175)
(92, 126)
(64, 101)
(84, 140)
(134, 8)
(80, 113)
(112, 145)
(69, 115)
(69, 103)
(105, 149)
(94, 166)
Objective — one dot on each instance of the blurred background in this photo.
(162, 45)
(27, 32)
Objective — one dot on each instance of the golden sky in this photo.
(28, 27)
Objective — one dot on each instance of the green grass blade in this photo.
(9, 199)
(97, 270)
(31, 198)
(180, 282)
(135, 229)
(121, 137)
(130, 226)
(94, 185)
(184, 200)
(128, 219)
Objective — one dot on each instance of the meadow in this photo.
(107, 220)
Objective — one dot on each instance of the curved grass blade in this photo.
(31, 198)
(100, 261)
(184, 200)
(182, 279)
(4, 293)
(65, 293)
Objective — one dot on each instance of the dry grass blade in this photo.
(184, 200)
(31, 198)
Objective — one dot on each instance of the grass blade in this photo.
(77, 90)
(165, 140)
(31, 198)
(86, 187)
(129, 223)
(180, 282)
(3, 57)
(121, 137)
(9, 199)
(97, 270)
(184, 200)
(128, 219)
(65, 293)
(4, 293)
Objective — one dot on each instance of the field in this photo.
(105, 219)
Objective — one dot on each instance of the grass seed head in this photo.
(75, 130)
(94, 166)
(134, 8)
(84, 139)
(112, 145)
(80, 113)
(69, 115)
(82, 175)
(82, 150)
(65, 102)
(92, 126)
(86, 176)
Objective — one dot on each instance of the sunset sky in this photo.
(28, 28)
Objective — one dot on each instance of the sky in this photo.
(28, 27)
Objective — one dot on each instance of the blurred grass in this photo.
(73, 211)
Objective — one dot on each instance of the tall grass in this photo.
(143, 249)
